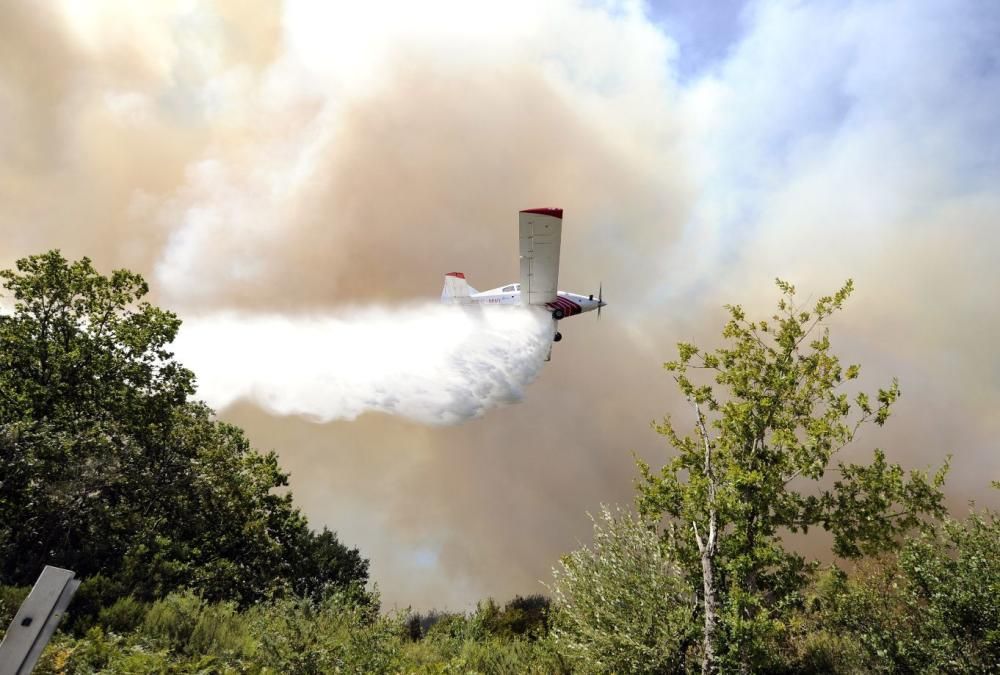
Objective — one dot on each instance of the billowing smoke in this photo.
(430, 363)
(262, 165)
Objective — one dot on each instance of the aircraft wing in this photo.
(540, 239)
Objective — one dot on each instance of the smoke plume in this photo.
(275, 168)
(429, 363)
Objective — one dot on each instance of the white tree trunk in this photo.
(707, 547)
(708, 664)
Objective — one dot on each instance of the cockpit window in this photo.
(508, 289)
(517, 287)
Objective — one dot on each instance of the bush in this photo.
(184, 633)
(526, 617)
(934, 607)
(95, 593)
(187, 624)
(521, 617)
(11, 598)
(418, 625)
(124, 616)
(338, 633)
(492, 640)
(489, 655)
(112, 654)
(447, 627)
(622, 604)
(497, 656)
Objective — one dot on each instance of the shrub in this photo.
(124, 616)
(934, 607)
(11, 598)
(622, 604)
(448, 626)
(338, 633)
(419, 624)
(187, 624)
(526, 617)
(497, 656)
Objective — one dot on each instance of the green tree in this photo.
(934, 607)
(770, 414)
(623, 605)
(109, 468)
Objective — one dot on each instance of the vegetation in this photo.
(110, 469)
(770, 419)
(341, 632)
(624, 606)
(933, 607)
(193, 563)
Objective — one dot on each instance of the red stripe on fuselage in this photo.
(568, 307)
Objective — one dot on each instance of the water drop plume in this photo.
(434, 364)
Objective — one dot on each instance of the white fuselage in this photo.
(565, 304)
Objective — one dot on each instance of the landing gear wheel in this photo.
(557, 337)
(557, 314)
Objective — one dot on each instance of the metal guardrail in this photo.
(36, 620)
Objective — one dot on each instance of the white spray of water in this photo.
(431, 363)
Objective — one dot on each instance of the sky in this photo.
(280, 171)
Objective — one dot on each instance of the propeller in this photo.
(600, 300)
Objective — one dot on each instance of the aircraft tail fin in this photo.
(456, 289)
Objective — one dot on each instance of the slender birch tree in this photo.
(769, 416)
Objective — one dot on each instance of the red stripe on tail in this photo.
(557, 213)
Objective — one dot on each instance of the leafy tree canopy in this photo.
(110, 468)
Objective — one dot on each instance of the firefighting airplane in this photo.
(540, 239)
